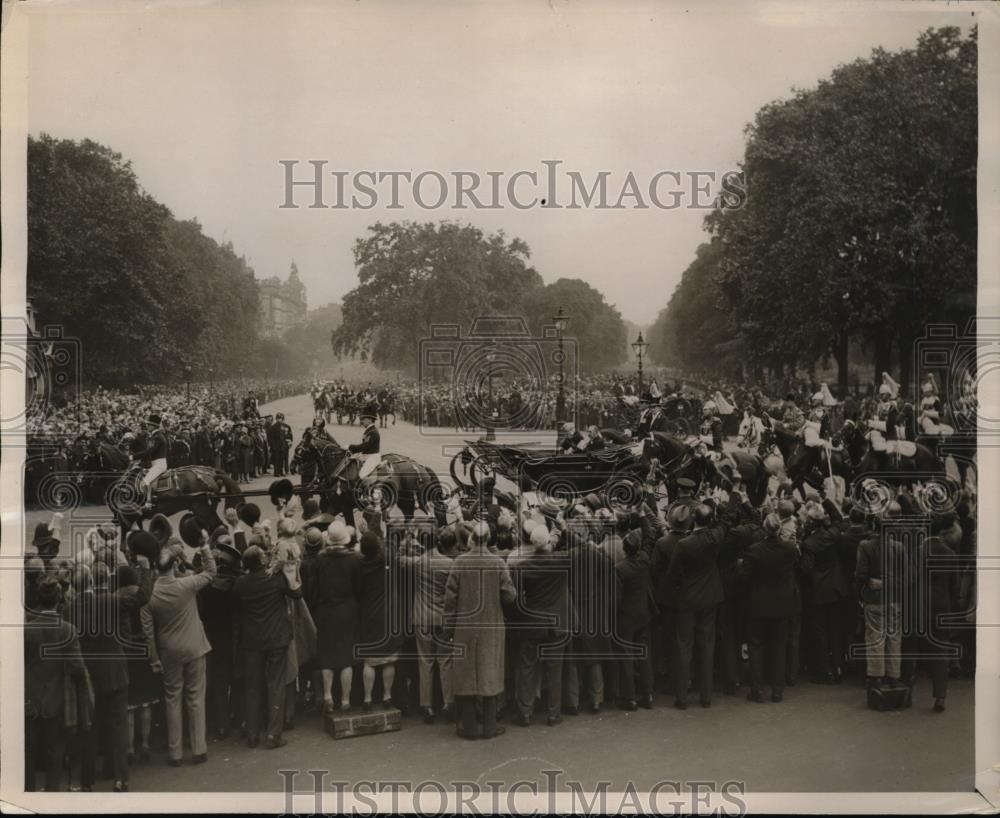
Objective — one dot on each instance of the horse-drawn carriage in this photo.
(616, 470)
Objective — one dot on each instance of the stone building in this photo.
(282, 303)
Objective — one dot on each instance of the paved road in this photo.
(820, 739)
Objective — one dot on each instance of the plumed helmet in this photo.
(679, 518)
(709, 407)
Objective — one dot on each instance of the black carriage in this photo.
(615, 470)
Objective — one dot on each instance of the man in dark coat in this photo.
(593, 588)
(97, 613)
(541, 582)
(367, 451)
(934, 590)
(679, 522)
(51, 660)
(878, 576)
(216, 610)
(265, 631)
(636, 609)
(768, 569)
(826, 588)
(279, 438)
(694, 570)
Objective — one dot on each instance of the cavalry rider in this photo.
(156, 450)
(884, 428)
(816, 434)
(930, 410)
(711, 437)
(367, 451)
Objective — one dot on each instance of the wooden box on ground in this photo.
(359, 723)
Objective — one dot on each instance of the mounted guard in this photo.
(887, 432)
(930, 410)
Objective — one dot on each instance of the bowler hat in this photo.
(160, 528)
(153, 420)
(144, 544)
(190, 530)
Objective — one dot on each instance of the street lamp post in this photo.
(491, 421)
(560, 319)
(639, 347)
(187, 382)
(211, 380)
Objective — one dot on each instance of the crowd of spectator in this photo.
(513, 614)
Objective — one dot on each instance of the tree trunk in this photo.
(883, 357)
(906, 374)
(840, 353)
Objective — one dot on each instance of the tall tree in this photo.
(595, 326)
(861, 212)
(414, 276)
(146, 295)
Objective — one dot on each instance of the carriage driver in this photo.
(367, 451)
(156, 451)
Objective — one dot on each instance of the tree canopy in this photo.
(146, 294)
(860, 220)
(414, 276)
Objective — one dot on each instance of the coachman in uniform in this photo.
(367, 451)
(156, 451)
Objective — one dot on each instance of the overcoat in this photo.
(478, 585)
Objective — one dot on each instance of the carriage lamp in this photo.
(639, 347)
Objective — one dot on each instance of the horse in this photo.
(188, 488)
(797, 457)
(403, 482)
(906, 469)
(680, 459)
(677, 459)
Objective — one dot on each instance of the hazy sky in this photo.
(206, 98)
